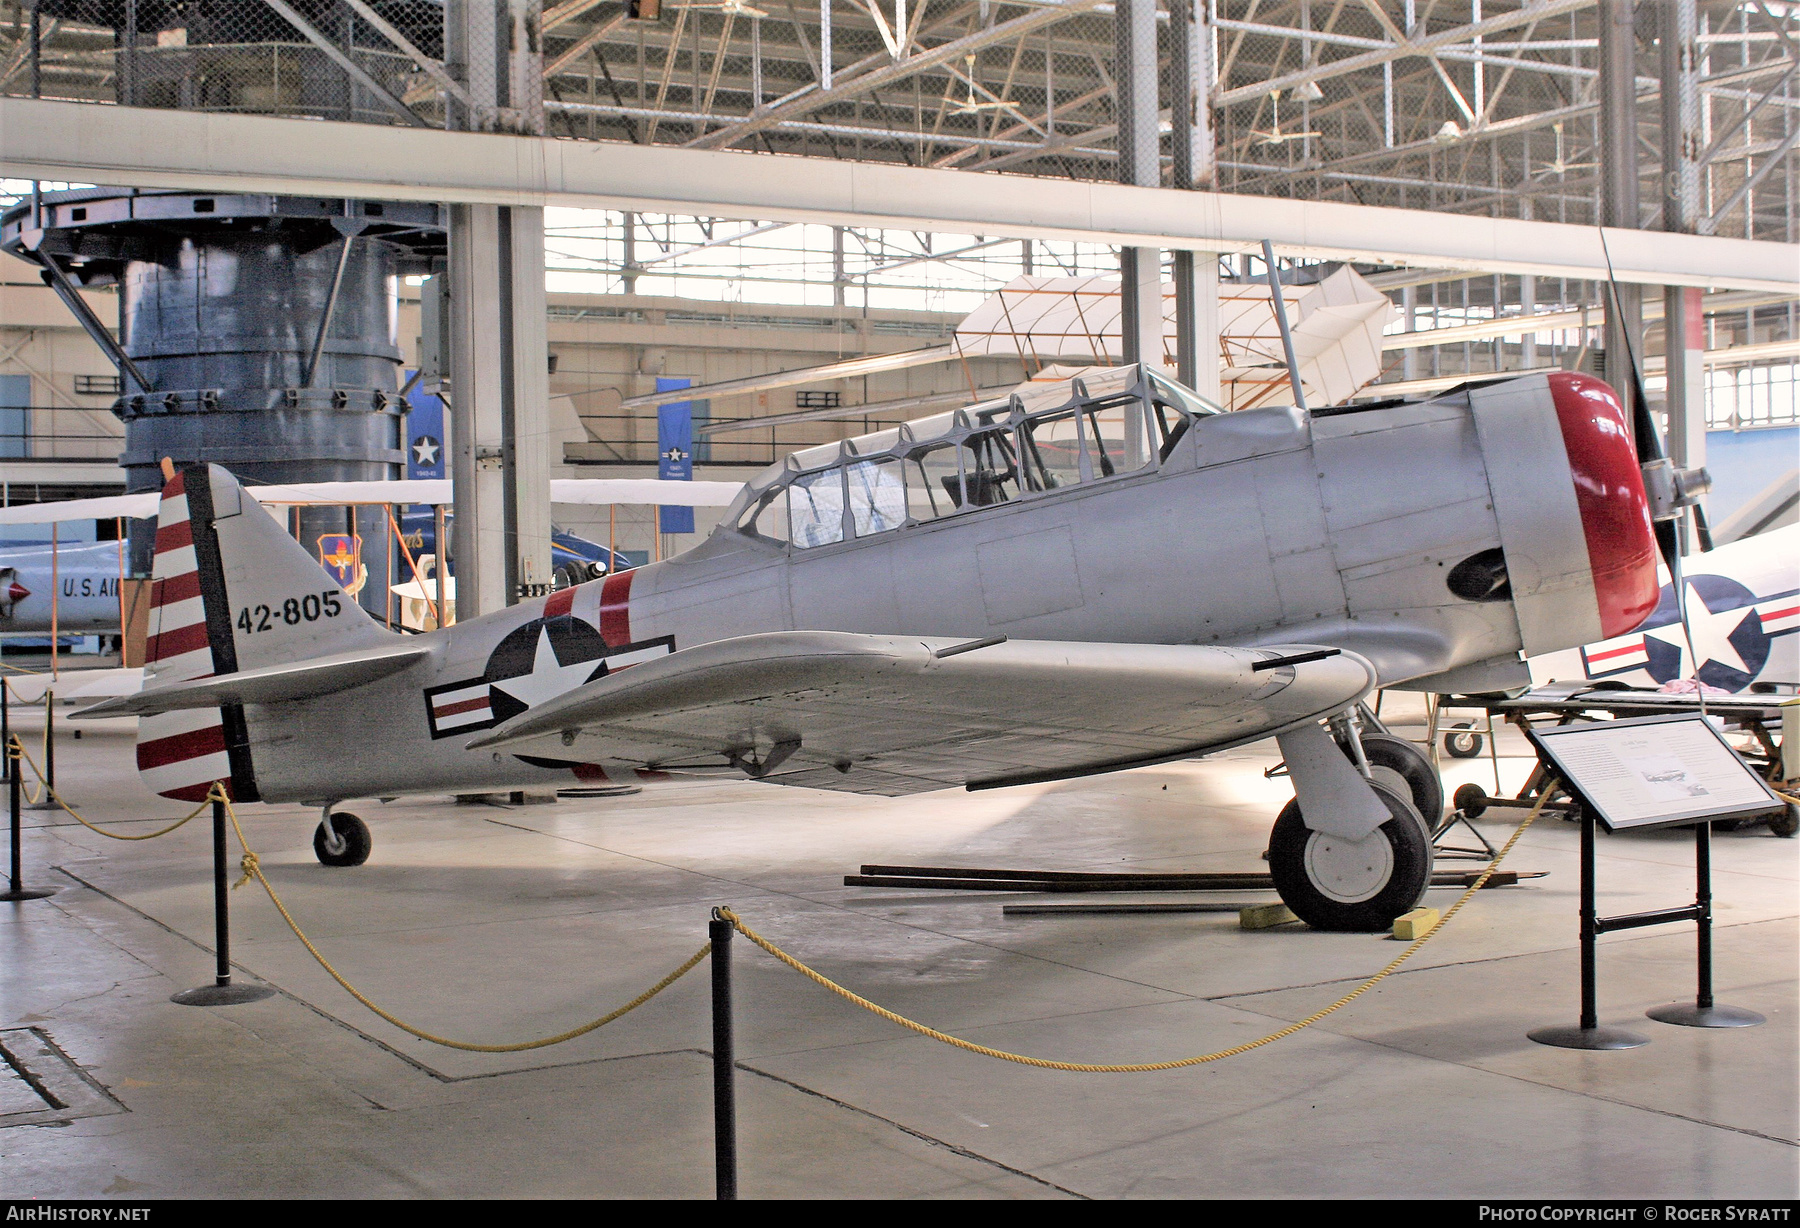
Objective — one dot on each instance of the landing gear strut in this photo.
(1347, 868)
(1352, 885)
(342, 839)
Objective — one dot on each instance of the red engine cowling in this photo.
(1568, 497)
(1609, 490)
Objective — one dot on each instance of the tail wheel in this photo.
(1463, 742)
(1787, 822)
(1471, 799)
(355, 838)
(1356, 886)
(1422, 779)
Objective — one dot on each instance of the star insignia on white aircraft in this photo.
(1712, 636)
(548, 677)
(425, 450)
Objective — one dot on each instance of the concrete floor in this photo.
(493, 925)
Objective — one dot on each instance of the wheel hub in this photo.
(1349, 871)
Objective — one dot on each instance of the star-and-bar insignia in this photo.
(469, 706)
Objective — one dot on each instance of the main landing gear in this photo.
(1356, 880)
(342, 839)
(1359, 886)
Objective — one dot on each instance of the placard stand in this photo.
(1588, 1034)
(1563, 752)
(1703, 1012)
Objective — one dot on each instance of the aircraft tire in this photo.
(1388, 751)
(355, 835)
(1471, 799)
(1463, 742)
(1787, 822)
(1333, 884)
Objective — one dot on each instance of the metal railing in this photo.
(59, 433)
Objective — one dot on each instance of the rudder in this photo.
(230, 590)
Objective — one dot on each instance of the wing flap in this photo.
(887, 715)
(266, 685)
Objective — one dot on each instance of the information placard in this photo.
(1655, 771)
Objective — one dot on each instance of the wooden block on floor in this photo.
(1264, 916)
(1416, 924)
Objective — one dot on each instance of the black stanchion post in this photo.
(6, 727)
(48, 800)
(16, 889)
(1703, 995)
(1590, 931)
(724, 1062)
(1588, 1034)
(1703, 1012)
(221, 909)
(221, 992)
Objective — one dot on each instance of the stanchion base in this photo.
(1690, 1015)
(38, 893)
(1588, 1038)
(221, 995)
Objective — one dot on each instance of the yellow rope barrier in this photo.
(1138, 1067)
(252, 869)
(17, 751)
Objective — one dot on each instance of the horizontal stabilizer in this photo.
(271, 684)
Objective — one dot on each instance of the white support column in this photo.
(1196, 273)
(1140, 163)
(527, 458)
(1619, 181)
(477, 539)
(528, 496)
(498, 378)
(1683, 320)
(1527, 301)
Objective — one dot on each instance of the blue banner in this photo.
(675, 451)
(425, 436)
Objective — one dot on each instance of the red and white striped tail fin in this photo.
(179, 754)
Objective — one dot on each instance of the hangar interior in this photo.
(605, 240)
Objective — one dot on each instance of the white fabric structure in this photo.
(413, 491)
(1337, 326)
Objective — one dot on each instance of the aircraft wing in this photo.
(894, 715)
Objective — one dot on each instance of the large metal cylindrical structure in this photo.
(260, 331)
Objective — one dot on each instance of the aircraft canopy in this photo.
(1103, 423)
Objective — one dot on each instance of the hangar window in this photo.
(877, 495)
(816, 504)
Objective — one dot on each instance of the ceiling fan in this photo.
(972, 107)
(1276, 136)
(1559, 167)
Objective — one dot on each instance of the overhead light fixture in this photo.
(1308, 92)
(1449, 133)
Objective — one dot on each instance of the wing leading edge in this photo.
(888, 715)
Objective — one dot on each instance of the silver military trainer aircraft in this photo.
(1090, 576)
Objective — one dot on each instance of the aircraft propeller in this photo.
(1675, 490)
